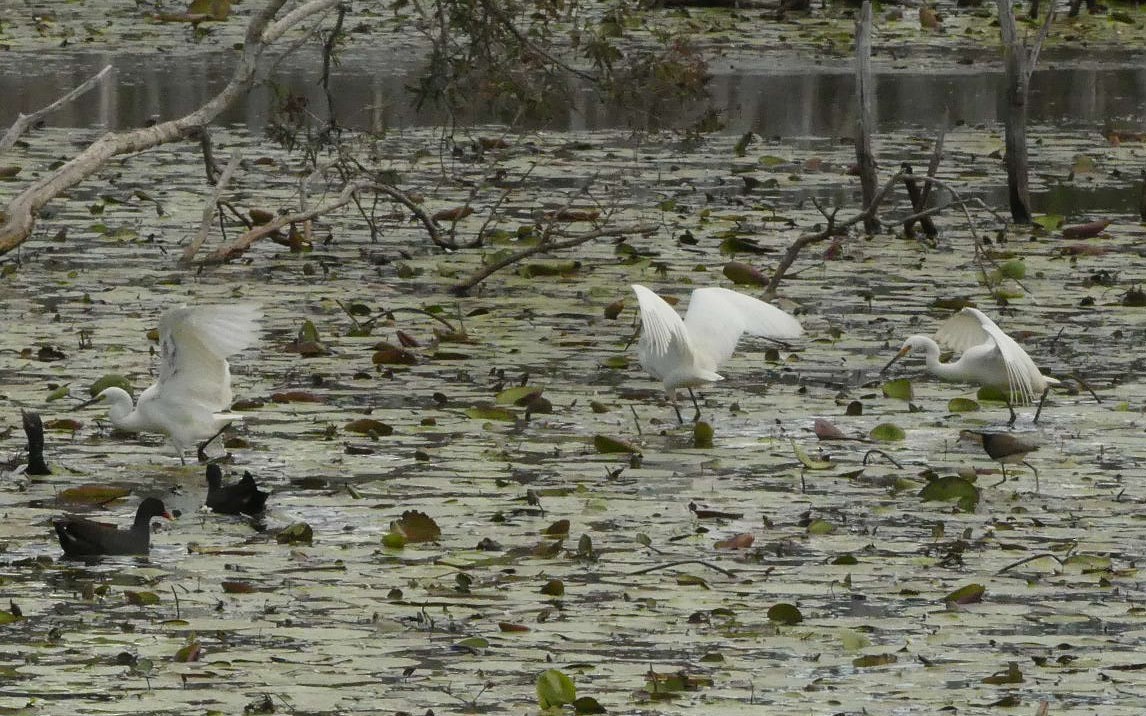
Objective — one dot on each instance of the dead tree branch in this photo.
(236, 248)
(210, 208)
(23, 121)
(463, 288)
(262, 32)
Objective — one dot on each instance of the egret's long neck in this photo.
(944, 371)
(121, 411)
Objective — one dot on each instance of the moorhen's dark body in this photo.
(84, 538)
(34, 429)
(243, 497)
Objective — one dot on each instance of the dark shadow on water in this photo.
(373, 94)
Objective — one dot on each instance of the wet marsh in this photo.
(466, 622)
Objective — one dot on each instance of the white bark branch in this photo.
(23, 121)
(209, 209)
(20, 214)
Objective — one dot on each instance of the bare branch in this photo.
(238, 246)
(209, 209)
(21, 212)
(485, 272)
(23, 121)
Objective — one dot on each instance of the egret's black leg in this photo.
(676, 407)
(1041, 401)
(1012, 409)
(695, 418)
(202, 453)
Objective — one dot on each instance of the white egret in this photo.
(687, 353)
(989, 358)
(191, 399)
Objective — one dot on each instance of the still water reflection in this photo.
(372, 93)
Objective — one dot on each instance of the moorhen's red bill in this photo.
(84, 538)
(243, 497)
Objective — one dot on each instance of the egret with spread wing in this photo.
(687, 353)
(191, 399)
(989, 358)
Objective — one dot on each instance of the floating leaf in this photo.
(869, 660)
(8, 617)
(691, 580)
(614, 309)
(826, 430)
(297, 533)
(1085, 231)
(949, 488)
(742, 274)
(475, 644)
(900, 389)
(820, 527)
(417, 526)
(189, 653)
(236, 587)
(702, 434)
(962, 405)
(141, 599)
(393, 355)
(598, 407)
(991, 393)
(555, 689)
(61, 392)
(1014, 268)
(549, 268)
(808, 461)
(967, 594)
(784, 613)
(743, 540)
(605, 445)
(296, 396)
(110, 380)
(368, 426)
(588, 705)
(553, 588)
(511, 628)
(490, 412)
(519, 395)
(1050, 222)
(560, 528)
(92, 494)
(393, 540)
(887, 432)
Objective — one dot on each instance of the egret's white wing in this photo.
(717, 317)
(963, 330)
(1021, 370)
(194, 345)
(664, 341)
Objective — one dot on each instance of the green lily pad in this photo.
(967, 594)
(962, 405)
(900, 389)
(555, 689)
(784, 613)
(951, 488)
(111, 380)
(887, 433)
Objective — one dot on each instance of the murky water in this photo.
(372, 93)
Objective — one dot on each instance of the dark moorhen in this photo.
(34, 429)
(243, 497)
(84, 538)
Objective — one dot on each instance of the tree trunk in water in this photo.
(1015, 122)
(864, 92)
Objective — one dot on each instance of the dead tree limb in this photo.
(865, 124)
(262, 32)
(427, 221)
(463, 288)
(209, 209)
(236, 248)
(23, 121)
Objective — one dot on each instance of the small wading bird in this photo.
(989, 358)
(242, 497)
(1005, 449)
(686, 353)
(34, 430)
(190, 400)
(84, 538)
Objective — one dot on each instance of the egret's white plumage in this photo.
(684, 353)
(189, 401)
(989, 357)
